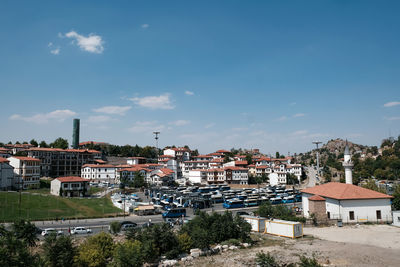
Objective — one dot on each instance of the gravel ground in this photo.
(346, 246)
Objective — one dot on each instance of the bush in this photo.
(278, 212)
(308, 262)
(231, 242)
(266, 260)
(185, 242)
(96, 251)
(115, 227)
(128, 254)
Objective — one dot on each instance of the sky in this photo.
(273, 75)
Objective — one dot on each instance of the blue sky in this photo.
(274, 75)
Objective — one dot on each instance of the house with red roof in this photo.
(347, 202)
(70, 186)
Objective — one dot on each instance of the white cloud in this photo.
(154, 102)
(297, 115)
(179, 122)
(99, 119)
(209, 125)
(113, 110)
(145, 26)
(391, 104)
(91, 43)
(189, 92)
(392, 118)
(54, 51)
(283, 118)
(300, 132)
(146, 126)
(42, 118)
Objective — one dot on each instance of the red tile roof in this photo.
(99, 166)
(222, 151)
(26, 158)
(344, 191)
(316, 198)
(3, 160)
(241, 162)
(71, 179)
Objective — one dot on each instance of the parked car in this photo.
(49, 231)
(128, 226)
(81, 230)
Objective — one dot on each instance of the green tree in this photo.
(96, 251)
(43, 144)
(115, 227)
(58, 251)
(138, 180)
(34, 142)
(292, 179)
(372, 186)
(185, 242)
(26, 231)
(128, 254)
(60, 143)
(396, 198)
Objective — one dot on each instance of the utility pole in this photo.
(317, 143)
(156, 137)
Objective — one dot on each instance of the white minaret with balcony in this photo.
(348, 165)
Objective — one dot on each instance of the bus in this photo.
(233, 204)
(174, 213)
(251, 202)
(276, 200)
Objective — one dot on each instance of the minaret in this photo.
(348, 165)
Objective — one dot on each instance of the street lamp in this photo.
(317, 143)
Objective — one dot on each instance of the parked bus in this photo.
(233, 204)
(251, 202)
(276, 200)
(174, 213)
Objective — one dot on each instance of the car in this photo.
(49, 231)
(80, 230)
(240, 213)
(128, 226)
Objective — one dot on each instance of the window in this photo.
(378, 215)
(351, 215)
(329, 215)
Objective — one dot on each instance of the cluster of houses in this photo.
(175, 165)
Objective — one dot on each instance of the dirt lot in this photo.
(346, 246)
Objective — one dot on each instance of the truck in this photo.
(145, 210)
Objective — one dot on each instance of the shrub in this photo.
(185, 242)
(128, 254)
(266, 260)
(115, 227)
(308, 262)
(96, 251)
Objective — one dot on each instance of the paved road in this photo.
(312, 177)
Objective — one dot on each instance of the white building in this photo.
(277, 178)
(99, 173)
(6, 174)
(197, 176)
(26, 172)
(71, 186)
(135, 160)
(130, 173)
(230, 175)
(396, 218)
(350, 203)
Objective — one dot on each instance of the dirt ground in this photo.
(367, 245)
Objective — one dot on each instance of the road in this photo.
(101, 224)
(312, 177)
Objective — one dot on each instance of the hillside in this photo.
(369, 161)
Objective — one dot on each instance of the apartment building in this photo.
(6, 174)
(99, 172)
(229, 175)
(70, 186)
(26, 172)
(57, 162)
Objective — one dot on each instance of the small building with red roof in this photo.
(69, 186)
(348, 202)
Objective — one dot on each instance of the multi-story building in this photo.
(5, 152)
(26, 172)
(57, 162)
(6, 174)
(99, 173)
(277, 178)
(71, 186)
(229, 175)
(136, 160)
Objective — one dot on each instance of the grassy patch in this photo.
(39, 191)
(262, 240)
(39, 207)
(93, 190)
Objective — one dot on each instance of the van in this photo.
(174, 213)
